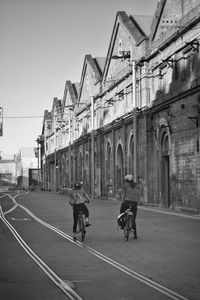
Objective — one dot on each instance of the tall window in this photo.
(131, 155)
(119, 168)
(86, 172)
(109, 163)
(80, 163)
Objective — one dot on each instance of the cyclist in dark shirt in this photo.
(78, 199)
(130, 200)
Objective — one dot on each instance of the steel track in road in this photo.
(145, 280)
(62, 285)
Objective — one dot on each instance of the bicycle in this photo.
(81, 225)
(129, 223)
(63, 190)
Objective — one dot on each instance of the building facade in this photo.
(134, 111)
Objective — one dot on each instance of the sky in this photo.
(43, 44)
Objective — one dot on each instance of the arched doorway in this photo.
(119, 170)
(165, 170)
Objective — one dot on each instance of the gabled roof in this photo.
(131, 25)
(56, 106)
(47, 116)
(137, 28)
(72, 90)
(156, 18)
(96, 68)
(171, 18)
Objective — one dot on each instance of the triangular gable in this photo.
(156, 19)
(70, 94)
(56, 108)
(167, 17)
(90, 77)
(127, 36)
(47, 121)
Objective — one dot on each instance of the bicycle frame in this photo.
(129, 224)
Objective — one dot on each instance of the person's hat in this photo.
(128, 177)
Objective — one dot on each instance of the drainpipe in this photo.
(134, 121)
(70, 163)
(55, 175)
(45, 166)
(39, 164)
(92, 149)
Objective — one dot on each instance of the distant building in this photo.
(25, 161)
(7, 171)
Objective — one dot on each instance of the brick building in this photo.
(134, 111)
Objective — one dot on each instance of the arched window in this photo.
(86, 173)
(67, 173)
(63, 174)
(80, 167)
(72, 168)
(165, 169)
(165, 144)
(109, 163)
(119, 168)
(131, 155)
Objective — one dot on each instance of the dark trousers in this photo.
(76, 209)
(133, 208)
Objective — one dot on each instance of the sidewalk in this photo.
(178, 211)
(175, 212)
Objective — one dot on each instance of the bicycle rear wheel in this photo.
(128, 227)
(83, 232)
(126, 232)
(82, 228)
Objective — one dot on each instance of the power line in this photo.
(23, 117)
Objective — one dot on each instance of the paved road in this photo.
(44, 262)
